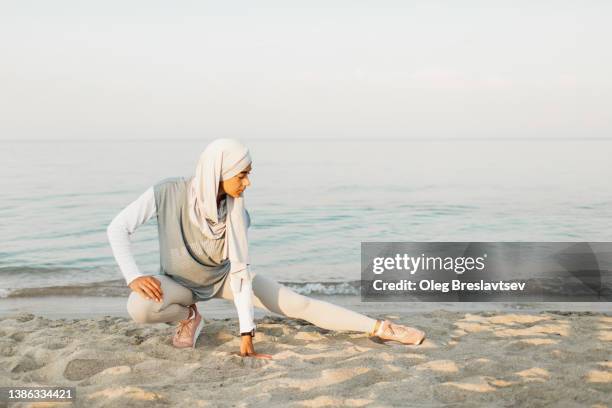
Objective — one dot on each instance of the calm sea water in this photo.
(311, 202)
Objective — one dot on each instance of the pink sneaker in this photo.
(399, 333)
(188, 330)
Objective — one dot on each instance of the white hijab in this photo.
(221, 160)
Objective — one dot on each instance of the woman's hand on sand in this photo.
(148, 287)
(247, 349)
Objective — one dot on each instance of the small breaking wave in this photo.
(351, 288)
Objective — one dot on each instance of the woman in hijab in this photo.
(204, 254)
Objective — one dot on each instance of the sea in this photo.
(312, 202)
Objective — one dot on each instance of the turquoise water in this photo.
(311, 202)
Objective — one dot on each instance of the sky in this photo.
(318, 69)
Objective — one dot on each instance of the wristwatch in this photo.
(251, 333)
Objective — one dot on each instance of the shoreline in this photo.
(98, 306)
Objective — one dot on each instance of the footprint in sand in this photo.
(273, 331)
(8, 347)
(249, 362)
(133, 332)
(54, 346)
(17, 336)
(530, 344)
(81, 368)
(7, 350)
(25, 364)
(214, 338)
(24, 317)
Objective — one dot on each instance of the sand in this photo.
(469, 359)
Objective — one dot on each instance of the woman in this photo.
(202, 228)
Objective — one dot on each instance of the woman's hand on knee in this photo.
(148, 287)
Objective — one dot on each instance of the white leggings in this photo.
(268, 295)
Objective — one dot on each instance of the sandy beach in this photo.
(469, 359)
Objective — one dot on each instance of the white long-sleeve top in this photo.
(121, 233)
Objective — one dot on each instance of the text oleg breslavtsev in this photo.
(445, 287)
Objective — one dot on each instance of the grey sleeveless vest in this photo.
(186, 255)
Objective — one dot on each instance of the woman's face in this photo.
(237, 184)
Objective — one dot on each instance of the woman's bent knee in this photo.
(139, 309)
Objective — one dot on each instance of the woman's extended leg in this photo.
(173, 308)
(274, 297)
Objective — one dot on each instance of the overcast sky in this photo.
(406, 69)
